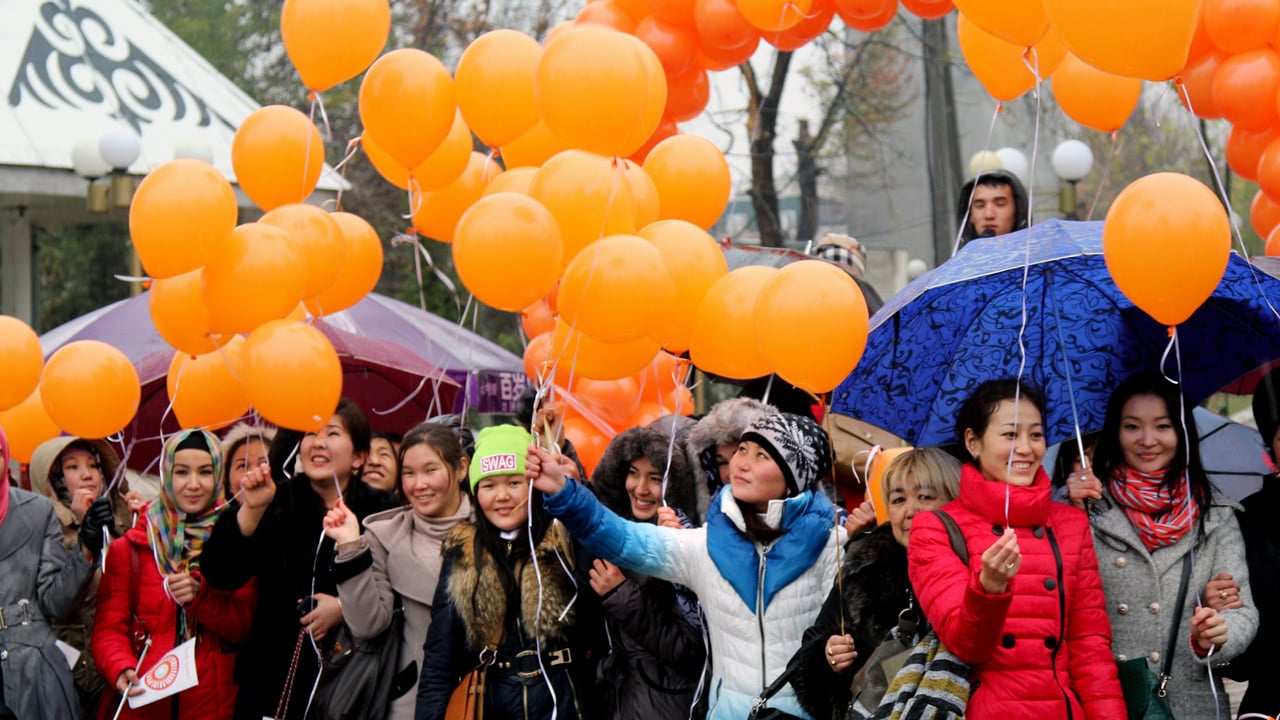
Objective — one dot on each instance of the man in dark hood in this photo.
(997, 206)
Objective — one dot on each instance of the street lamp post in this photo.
(1072, 160)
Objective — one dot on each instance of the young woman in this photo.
(399, 554)
(244, 447)
(1027, 613)
(152, 588)
(1157, 508)
(873, 591)
(39, 583)
(381, 470)
(761, 563)
(658, 654)
(712, 442)
(74, 473)
(524, 614)
(275, 534)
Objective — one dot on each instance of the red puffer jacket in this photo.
(221, 619)
(1042, 649)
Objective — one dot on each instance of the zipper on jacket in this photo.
(1062, 618)
(764, 555)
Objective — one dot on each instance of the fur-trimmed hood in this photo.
(610, 476)
(46, 480)
(481, 603)
(724, 424)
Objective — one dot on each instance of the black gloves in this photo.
(96, 518)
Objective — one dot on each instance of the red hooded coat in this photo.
(222, 619)
(1042, 649)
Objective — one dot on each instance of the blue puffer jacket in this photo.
(757, 599)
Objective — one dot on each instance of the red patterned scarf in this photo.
(1161, 516)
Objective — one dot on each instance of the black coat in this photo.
(876, 590)
(1262, 548)
(282, 556)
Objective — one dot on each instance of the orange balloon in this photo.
(673, 44)
(1094, 98)
(361, 266)
(928, 9)
(648, 204)
(674, 12)
(875, 483)
(772, 16)
(614, 401)
(596, 90)
(692, 177)
(537, 318)
(22, 359)
(448, 160)
(387, 167)
(616, 289)
(608, 14)
(666, 129)
(316, 237)
(663, 376)
(507, 250)
(516, 180)
(277, 154)
(291, 375)
(332, 41)
(811, 324)
(1269, 169)
(589, 196)
(802, 33)
(588, 440)
(1264, 214)
(1147, 39)
(27, 425)
(180, 212)
(1020, 22)
(1166, 241)
(1201, 45)
(688, 93)
(436, 213)
(696, 263)
(1244, 150)
(724, 333)
(257, 256)
(715, 58)
(1197, 80)
(576, 354)
(178, 312)
(887, 12)
(537, 357)
(495, 85)
(90, 389)
(1002, 67)
(1241, 82)
(205, 389)
(407, 104)
(533, 148)
(720, 25)
(1239, 26)
(1272, 248)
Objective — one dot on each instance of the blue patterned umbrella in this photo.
(958, 325)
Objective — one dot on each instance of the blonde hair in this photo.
(933, 469)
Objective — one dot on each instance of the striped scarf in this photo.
(1162, 515)
(176, 537)
(933, 684)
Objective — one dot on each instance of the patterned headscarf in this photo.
(176, 537)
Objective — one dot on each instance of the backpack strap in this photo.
(953, 532)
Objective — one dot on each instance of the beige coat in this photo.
(399, 553)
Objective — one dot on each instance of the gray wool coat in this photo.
(1142, 587)
(39, 581)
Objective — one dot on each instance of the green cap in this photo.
(500, 450)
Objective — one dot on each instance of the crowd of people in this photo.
(701, 570)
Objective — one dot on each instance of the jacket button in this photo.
(1121, 658)
(1154, 657)
(997, 530)
(1007, 641)
(1154, 608)
(1121, 562)
(1049, 584)
(1051, 642)
(1123, 609)
(1038, 532)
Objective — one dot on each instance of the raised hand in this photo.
(1208, 628)
(1083, 485)
(544, 471)
(183, 587)
(605, 576)
(1000, 563)
(341, 524)
(861, 518)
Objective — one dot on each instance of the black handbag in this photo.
(760, 709)
(1144, 692)
(357, 677)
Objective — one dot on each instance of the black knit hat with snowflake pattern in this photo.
(797, 444)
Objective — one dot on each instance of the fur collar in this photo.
(478, 597)
(875, 587)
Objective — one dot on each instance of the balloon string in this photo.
(353, 147)
(1106, 173)
(1066, 368)
(317, 104)
(537, 614)
(968, 206)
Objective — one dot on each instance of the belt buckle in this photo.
(536, 672)
(560, 657)
(4, 625)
